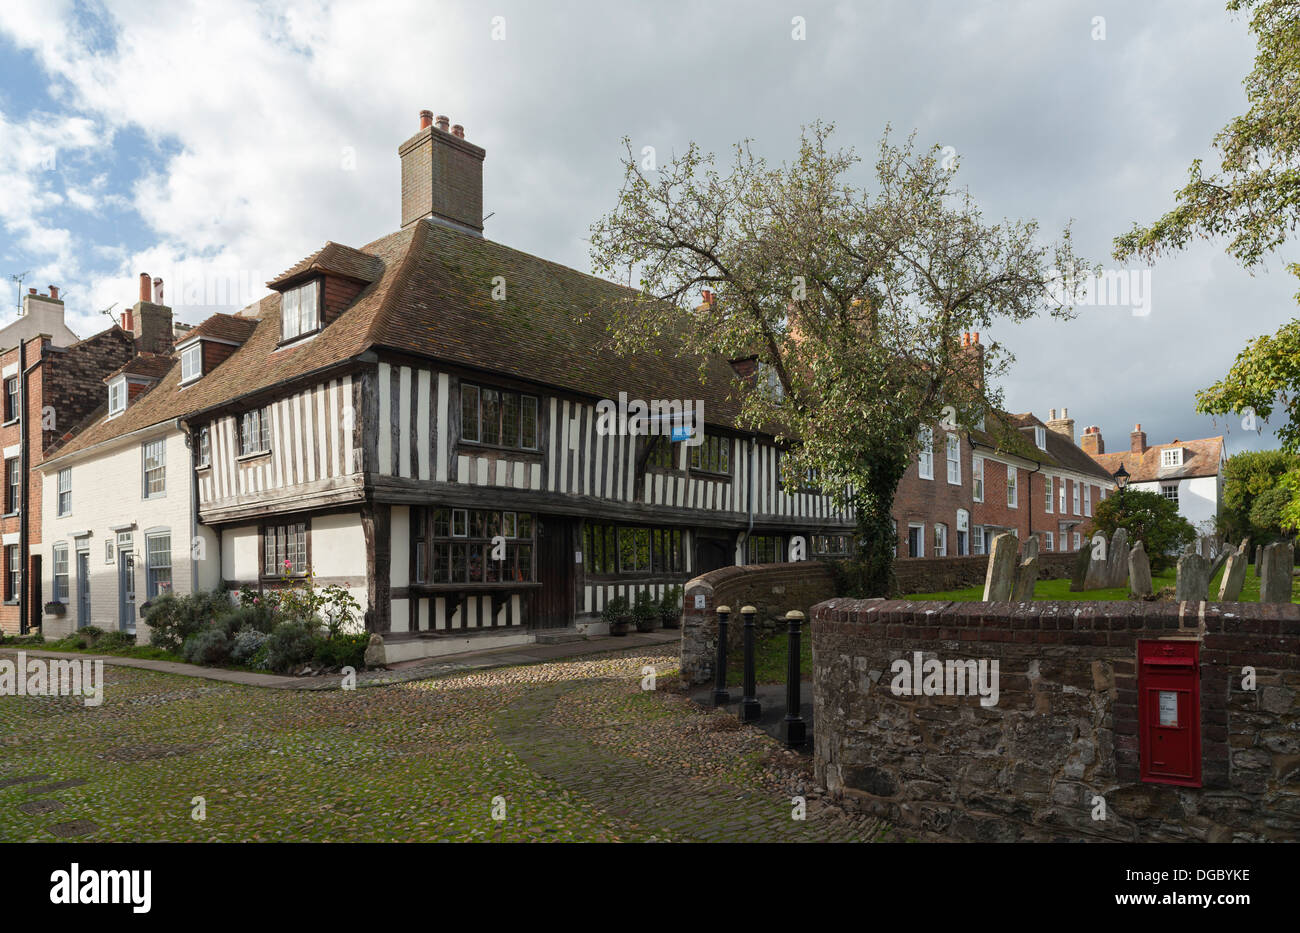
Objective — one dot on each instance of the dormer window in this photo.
(117, 396)
(300, 311)
(1040, 437)
(192, 362)
(1171, 457)
(769, 381)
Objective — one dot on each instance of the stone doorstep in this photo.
(470, 660)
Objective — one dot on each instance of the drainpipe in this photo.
(24, 469)
(749, 493)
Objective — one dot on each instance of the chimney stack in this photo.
(442, 177)
(1137, 440)
(1091, 441)
(1064, 425)
(54, 292)
(148, 321)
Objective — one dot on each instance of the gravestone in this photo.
(1139, 571)
(1219, 561)
(1259, 558)
(1275, 577)
(375, 655)
(1031, 547)
(1000, 580)
(1026, 577)
(1081, 561)
(1193, 578)
(1098, 566)
(1234, 576)
(1117, 559)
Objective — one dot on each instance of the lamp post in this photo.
(1121, 480)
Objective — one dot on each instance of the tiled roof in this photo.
(222, 327)
(148, 365)
(1008, 433)
(1200, 458)
(336, 258)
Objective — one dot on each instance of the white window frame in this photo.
(1076, 497)
(1049, 541)
(952, 447)
(1049, 493)
(1171, 457)
(1040, 437)
(977, 539)
(925, 453)
(1077, 540)
(160, 446)
(64, 489)
(294, 320)
(1087, 499)
(1166, 488)
(60, 593)
(1062, 493)
(117, 396)
(940, 540)
(977, 478)
(920, 539)
(150, 568)
(192, 362)
(204, 453)
(1013, 488)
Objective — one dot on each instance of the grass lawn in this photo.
(770, 653)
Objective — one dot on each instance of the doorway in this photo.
(554, 604)
(83, 589)
(126, 590)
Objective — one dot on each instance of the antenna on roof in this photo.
(485, 219)
(19, 279)
(109, 312)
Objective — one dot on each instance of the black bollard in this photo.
(793, 728)
(720, 695)
(750, 709)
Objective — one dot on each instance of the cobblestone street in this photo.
(565, 750)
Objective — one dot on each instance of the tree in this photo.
(1248, 478)
(1149, 518)
(1253, 200)
(851, 301)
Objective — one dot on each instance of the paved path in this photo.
(403, 672)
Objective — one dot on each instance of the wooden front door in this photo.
(711, 554)
(553, 606)
(126, 590)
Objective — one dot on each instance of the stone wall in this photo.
(773, 589)
(1064, 730)
(942, 574)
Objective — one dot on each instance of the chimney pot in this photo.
(54, 292)
(975, 336)
(158, 291)
(145, 293)
(1051, 414)
(426, 119)
(31, 291)
(1065, 412)
(458, 131)
(443, 122)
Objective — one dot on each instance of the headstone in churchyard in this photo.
(1000, 580)
(1234, 576)
(1259, 558)
(1219, 562)
(1081, 561)
(1193, 578)
(1031, 547)
(1117, 559)
(1275, 577)
(1098, 566)
(1139, 571)
(1207, 547)
(1026, 577)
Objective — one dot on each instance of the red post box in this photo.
(1169, 712)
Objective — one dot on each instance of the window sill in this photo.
(709, 474)
(255, 455)
(294, 341)
(11, 602)
(461, 587)
(11, 421)
(501, 448)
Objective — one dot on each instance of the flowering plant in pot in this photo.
(618, 615)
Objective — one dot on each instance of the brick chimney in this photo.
(442, 176)
(974, 350)
(1091, 441)
(1137, 440)
(1064, 425)
(150, 322)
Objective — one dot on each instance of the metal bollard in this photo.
(750, 709)
(720, 695)
(793, 728)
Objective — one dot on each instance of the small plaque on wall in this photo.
(699, 601)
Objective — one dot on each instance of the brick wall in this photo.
(1064, 730)
(941, 574)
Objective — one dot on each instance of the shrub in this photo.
(1149, 518)
(342, 650)
(114, 641)
(173, 619)
(670, 606)
(256, 617)
(210, 647)
(246, 645)
(645, 612)
(93, 632)
(617, 609)
(289, 644)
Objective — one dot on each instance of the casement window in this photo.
(474, 546)
(498, 417)
(300, 311)
(60, 593)
(154, 454)
(1171, 457)
(13, 486)
(977, 478)
(963, 532)
(11, 399)
(768, 381)
(662, 453)
(831, 545)
(1170, 492)
(205, 448)
(1013, 494)
(940, 540)
(712, 455)
(610, 550)
(764, 549)
(255, 432)
(925, 453)
(977, 539)
(1087, 499)
(65, 491)
(13, 573)
(952, 445)
(117, 396)
(1040, 437)
(1049, 541)
(1076, 498)
(915, 540)
(284, 550)
(1048, 496)
(1077, 540)
(158, 564)
(1061, 494)
(192, 362)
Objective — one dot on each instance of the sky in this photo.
(214, 144)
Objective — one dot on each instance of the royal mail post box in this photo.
(1169, 712)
